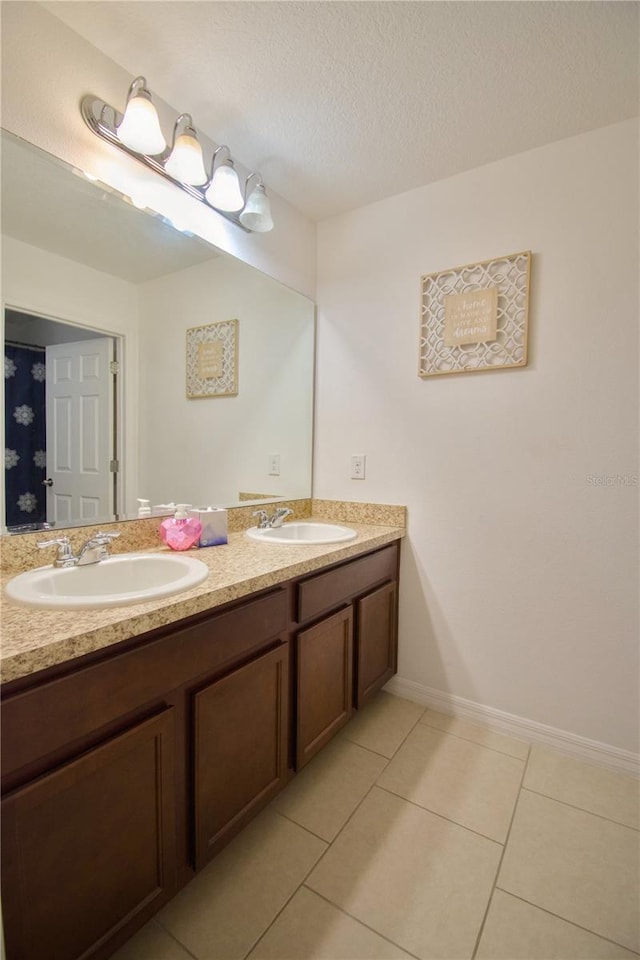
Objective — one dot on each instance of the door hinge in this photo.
(114, 367)
(114, 466)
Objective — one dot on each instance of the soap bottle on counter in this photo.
(180, 532)
(144, 510)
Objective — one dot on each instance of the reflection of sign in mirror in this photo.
(209, 360)
(212, 360)
(475, 317)
(470, 317)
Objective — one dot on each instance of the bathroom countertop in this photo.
(34, 638)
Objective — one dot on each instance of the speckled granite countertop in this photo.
(33, 639)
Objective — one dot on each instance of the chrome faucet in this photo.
(96, 548)
(276, 519)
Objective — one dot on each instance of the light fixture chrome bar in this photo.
(95, 113)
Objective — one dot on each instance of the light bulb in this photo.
(224, 191)
(140, 128)
(186, 163)
(256, 215)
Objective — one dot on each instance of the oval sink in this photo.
(303, 532)
(116, 581)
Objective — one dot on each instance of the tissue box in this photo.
(214, 525)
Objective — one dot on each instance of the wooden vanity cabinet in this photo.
(324, 682)
(376, 644)
(343, 657)
(240, 748)
(125, 771)
(108, 767)
(68, 835)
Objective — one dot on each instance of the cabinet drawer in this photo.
(327, 590)
(37, 722)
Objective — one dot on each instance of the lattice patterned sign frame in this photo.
(212, 360)
(475, 317)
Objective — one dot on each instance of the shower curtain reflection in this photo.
(25, 434)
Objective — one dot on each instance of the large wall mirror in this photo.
(98, 297)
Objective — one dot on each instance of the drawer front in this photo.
(36, 723)
(326, 590)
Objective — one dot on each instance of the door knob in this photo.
(48, 482)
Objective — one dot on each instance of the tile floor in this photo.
(414, 834)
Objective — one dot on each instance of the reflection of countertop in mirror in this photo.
(34, 639)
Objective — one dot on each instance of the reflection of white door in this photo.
(79, 401)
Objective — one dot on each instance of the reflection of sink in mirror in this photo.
(117, 581)
(303, 533)
(109, 270)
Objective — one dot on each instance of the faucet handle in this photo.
(264, 519)
(65, 553)
(102, 537)
(63, 542)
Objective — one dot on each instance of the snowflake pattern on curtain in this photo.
(25, 435)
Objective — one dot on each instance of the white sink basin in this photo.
(304, 533)
(116, 581)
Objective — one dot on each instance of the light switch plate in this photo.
(274, 464)
(358, 466)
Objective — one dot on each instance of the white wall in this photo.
(207, 451)
(519, 582)
(47, 68)
(37, 281)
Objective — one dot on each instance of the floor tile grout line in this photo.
(291, 819)
(362, 923)
(388, 759)
(376, 753)
(459, 736)
(329, 843)
(502, 856)
(574, 806)
(559, 916)
(173, 937)
(441, 816)
(289, 898)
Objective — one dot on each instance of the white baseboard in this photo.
(592, 751)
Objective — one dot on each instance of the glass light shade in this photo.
(224, 191)
(256, 215)
(186, 163)
(140, 128)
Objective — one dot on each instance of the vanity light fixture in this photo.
(137, 132)
(256, 214)
(139, 128)
(185, 162)
(223, 191)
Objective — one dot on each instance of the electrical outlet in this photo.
(274, 464)
(358, 466)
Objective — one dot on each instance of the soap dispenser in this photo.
(180, 532)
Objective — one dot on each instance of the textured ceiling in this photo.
(339, 104)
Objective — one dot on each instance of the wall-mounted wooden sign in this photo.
(475, 317)
(212, 360)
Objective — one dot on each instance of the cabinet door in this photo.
(376, 641)
(90, 847)
(240, 748)
(325, 655)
